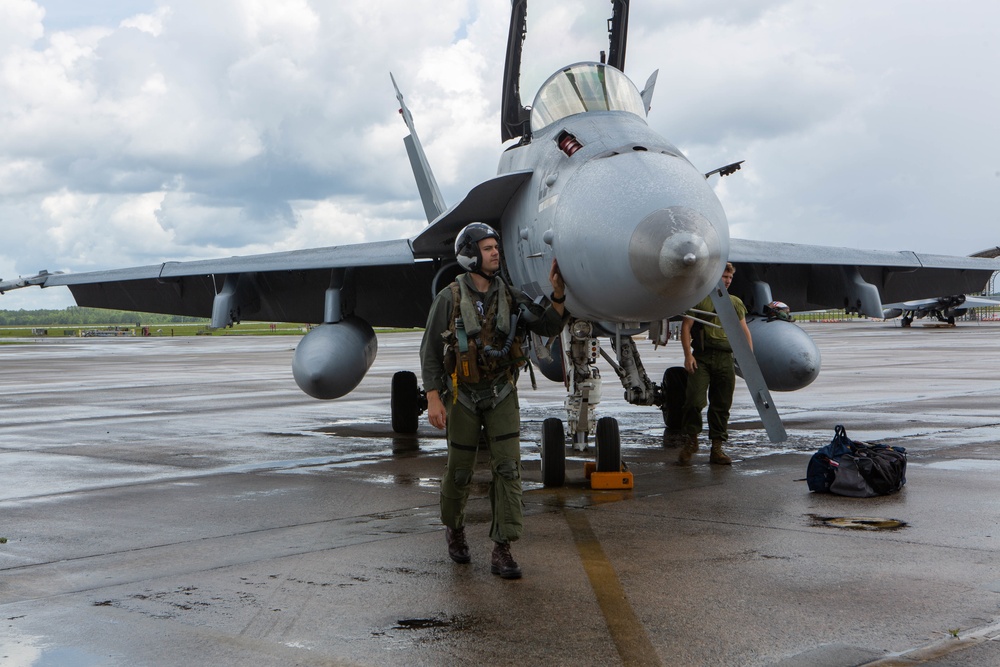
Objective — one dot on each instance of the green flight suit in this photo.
(489, 407)
(714, 380)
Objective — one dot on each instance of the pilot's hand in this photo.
(690, 364)
(556, 278)
(436, 413)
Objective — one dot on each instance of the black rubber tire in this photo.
(553, 452)
(609, 445)
(405, 402)
(674, 390)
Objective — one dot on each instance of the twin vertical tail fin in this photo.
(430, 194)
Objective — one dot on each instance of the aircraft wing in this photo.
(808, 277)
(386, 283)
(280, 287)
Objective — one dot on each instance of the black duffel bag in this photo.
(858, 469)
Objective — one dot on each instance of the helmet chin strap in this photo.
(489, 277)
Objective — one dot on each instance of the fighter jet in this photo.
(943, 308)
(636, 228)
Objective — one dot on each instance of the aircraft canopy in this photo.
(584, 87)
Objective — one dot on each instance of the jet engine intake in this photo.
(332, 359)
(788, 358)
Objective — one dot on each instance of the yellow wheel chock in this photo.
(607, 480)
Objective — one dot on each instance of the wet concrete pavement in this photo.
(179, 501)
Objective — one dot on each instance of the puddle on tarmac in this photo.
(38, 652)
(434, 625)
(857, 522)
(966, 465)
(421, 623)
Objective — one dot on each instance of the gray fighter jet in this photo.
(637, 230)
(943, 309)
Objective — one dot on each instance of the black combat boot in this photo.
(458, 548)
(503, 563)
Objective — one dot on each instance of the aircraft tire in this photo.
(405, 402)
(674, 389)
(609, 445)
(553, 452)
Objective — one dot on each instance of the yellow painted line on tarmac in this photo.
(627, 632)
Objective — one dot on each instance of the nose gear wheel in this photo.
(553, 452)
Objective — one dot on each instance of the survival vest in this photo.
(482, 348)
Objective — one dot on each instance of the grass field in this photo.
(195, 329)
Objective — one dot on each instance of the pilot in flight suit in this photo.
(470, 356)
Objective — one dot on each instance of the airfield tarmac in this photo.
(178, 501)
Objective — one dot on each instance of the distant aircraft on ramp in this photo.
(943, 308)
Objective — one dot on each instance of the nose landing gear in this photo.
(609, 471)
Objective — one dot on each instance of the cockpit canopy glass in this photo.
(584, 87)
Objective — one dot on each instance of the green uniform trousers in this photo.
(502, 425)
(715, 378)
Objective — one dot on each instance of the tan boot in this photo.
(689, 445)
(718, 456)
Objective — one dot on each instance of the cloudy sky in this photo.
(135, 131)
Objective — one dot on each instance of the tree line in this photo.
(79, 316)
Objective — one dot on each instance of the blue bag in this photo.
(822, 469)
(857, 469)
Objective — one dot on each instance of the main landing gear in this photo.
(407, 402)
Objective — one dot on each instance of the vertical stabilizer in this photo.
(618, 34)
(430, 193)
(515, 119)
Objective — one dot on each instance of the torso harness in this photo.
(475, 367)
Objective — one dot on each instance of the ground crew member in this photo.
(469, 359)
(708, 359)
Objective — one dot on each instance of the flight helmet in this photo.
(778, 310)
(467, 245)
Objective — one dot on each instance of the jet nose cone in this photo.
(676, 252)
(682, 253)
